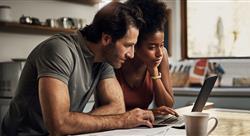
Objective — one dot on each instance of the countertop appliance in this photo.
(9, 76)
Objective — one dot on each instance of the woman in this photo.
(146, 77)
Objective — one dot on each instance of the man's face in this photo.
(117, 53)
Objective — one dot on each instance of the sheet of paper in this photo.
(143, 131)
(176, 132)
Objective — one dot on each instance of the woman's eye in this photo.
(151, 47)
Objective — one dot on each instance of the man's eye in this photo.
(128, 45)
(162, 45)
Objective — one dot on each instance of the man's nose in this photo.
(131, 53)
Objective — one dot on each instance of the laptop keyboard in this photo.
(173, 120)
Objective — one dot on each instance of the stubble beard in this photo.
(112, 56)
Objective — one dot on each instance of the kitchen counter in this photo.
(217, 91)
(237, 98)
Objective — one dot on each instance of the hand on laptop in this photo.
(138, 117)
(164, 110)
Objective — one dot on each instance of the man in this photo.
(61, 72)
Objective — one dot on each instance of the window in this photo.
(103, 3)
(215, 29)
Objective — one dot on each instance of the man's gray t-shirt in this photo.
(64, 57)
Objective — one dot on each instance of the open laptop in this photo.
(178, 122)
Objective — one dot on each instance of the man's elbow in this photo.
(56, 128)
(119, 107)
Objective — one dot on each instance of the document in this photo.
(142, 131)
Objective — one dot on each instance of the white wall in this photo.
(14, 45)
(19, 45)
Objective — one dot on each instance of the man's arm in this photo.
(110, 98)
(55, 105)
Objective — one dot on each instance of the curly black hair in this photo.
(154, 15)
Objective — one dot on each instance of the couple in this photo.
(61, 72)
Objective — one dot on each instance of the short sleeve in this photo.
(55, 60)
(107, 71)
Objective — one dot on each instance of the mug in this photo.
(196, 123)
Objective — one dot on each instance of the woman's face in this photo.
(151, 49)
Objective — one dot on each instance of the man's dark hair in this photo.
(154, 14)
(113, 19)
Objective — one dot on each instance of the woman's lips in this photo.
(158, 60)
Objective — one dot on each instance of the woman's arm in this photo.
(163, 86)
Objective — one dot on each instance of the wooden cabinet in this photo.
(15, 27)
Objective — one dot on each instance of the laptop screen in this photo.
(204, 93)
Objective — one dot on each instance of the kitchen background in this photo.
(18, 44)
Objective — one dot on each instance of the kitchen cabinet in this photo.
(15, 27)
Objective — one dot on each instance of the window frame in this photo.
(168, 33)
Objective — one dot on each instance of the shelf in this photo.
(87, 2)
(15, 27)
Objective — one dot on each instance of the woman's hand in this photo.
(153, 67)
(164, 110)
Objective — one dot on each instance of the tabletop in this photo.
(231, 122)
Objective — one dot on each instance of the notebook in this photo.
(199, 104)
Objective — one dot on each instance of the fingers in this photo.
(147, 118)
(173, 112)
(146, 123)
(148, 115)
(163, 110)
(138, 117)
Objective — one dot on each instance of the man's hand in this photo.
(164, 110)
(138, 117)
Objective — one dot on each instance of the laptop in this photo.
(178, 122)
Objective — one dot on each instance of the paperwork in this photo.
(142, 131)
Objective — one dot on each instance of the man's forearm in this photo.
(113, 108)
(76, 123)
